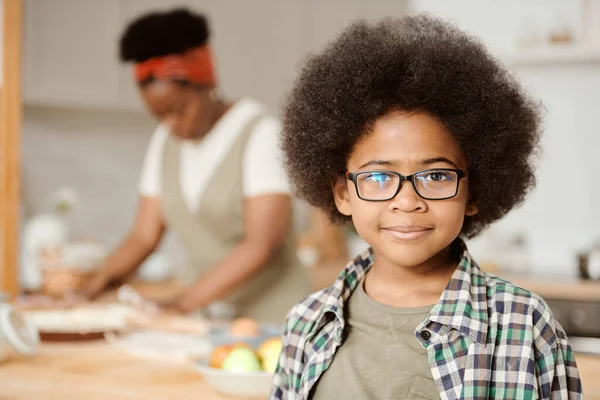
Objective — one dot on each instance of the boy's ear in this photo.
(341, 196)
(472, 208)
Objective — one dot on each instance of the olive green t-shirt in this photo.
(380, 357)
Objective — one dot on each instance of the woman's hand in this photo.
(172, 306)
(141, 241)
(96, 285)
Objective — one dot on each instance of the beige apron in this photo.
(212, 232)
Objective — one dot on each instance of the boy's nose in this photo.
(407, 199)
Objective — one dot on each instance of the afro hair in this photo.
(413, 64)
(161, 33)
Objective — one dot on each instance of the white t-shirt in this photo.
(263, 171)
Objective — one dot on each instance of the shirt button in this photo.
(425, 335)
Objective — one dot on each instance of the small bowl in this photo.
(239, 383)
(255, 384)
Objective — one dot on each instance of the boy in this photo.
(412, 131)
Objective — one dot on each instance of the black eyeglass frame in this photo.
(460, 173)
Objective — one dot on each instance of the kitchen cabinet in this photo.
(71, 52)
(71, 46)
(71, 49)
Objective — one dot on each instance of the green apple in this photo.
(241, 359)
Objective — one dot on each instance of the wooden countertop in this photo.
(589, 370)
(94, 370)
(550, 287)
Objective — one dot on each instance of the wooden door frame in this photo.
(11, 114)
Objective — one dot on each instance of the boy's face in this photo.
(406, 230)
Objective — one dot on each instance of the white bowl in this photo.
(236, 383)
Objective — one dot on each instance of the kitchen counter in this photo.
(589, 369)
(95, 370)
(550, 287)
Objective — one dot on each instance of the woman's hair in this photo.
(162, 33)
(413, 64)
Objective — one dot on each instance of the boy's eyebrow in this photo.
(426, 161)
(376, 162)
(429, 161)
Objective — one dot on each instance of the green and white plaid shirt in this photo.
(485, 338)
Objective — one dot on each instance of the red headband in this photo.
(194, 65)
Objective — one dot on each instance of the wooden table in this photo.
(96, 371)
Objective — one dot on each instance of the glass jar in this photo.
(17, 335)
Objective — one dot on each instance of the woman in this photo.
(212, 174)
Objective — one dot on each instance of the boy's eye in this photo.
(377, 177)
(437, 176)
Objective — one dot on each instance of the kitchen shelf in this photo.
(556, 55)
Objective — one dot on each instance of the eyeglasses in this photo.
(430, 184)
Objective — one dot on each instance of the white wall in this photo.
(562, 214)
(97, 153)
(498, 23)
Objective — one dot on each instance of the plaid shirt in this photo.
(485, 338)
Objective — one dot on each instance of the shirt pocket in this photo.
(420, 388)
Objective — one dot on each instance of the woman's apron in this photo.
(211, 233)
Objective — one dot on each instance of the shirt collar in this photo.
(462, 305)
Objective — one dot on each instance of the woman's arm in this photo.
(267, 221)
(145, 235)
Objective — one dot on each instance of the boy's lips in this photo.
(407, 232)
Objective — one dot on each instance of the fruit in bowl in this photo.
(237, 368)
(241, 359)
(220, 353)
